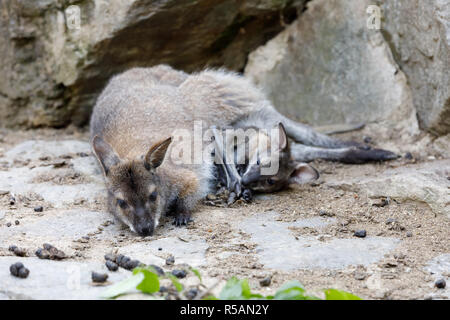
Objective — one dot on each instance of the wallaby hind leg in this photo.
(268, 117)
(347, 155)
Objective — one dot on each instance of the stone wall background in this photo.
(317, 60)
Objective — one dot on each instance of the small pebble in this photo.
(19, 252)
(367, 139)
(163, 289)
(322, 213)
(8, 224)
(112, 266)
(160, 249)
(39, 209)
(111, 257)
(440, 284)
(158, 270)
(23, 273)
(118, 258)
(409, 234)
(123, 262)
(265, 282)
(130, 265)
(14, 268)
(17, 222)
(191, 294)
(360, 233)
(42, 254)
(408, 156)
(170, 260)
(360, 276)
(50, 252)
(18, 270)
(99, 277)
(179, 273)
(390, 220)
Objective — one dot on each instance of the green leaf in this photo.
(294, 284)
(333, 294)
(197, 273)
(246, 292)
(236, 289)
(175, 282)
(232, 290)
(123, 286)
(150, 284)
(292, 290)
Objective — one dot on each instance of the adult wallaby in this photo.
(134, 120)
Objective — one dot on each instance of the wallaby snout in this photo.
(143, 224)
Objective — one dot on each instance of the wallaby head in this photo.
(136, 192)
(289, 170)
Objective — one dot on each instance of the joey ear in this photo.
(105, 154)
(155, 156)
(283, 139)
(303, 173)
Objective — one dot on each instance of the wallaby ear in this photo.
(303, 173)
(283, 139)
(155, 156)
(105, 154)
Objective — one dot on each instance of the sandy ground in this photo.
(400, 273)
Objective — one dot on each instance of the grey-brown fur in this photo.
(138, 112)
(251, 160)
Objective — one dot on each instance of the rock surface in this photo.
(279, 249)
(418, 33)
(428, 183)
(329, 63)
(53, 71)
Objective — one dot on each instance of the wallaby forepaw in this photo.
(232, 197)
(181, 220)
(247, 195)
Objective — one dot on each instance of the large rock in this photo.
(328, 67)
(419, 35)
(52, 72)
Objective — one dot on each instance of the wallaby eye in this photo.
(153, 196)
(121, 203)
(271, 181)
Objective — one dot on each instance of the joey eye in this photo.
(121, 203)
(271, 181)
(153, 196)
